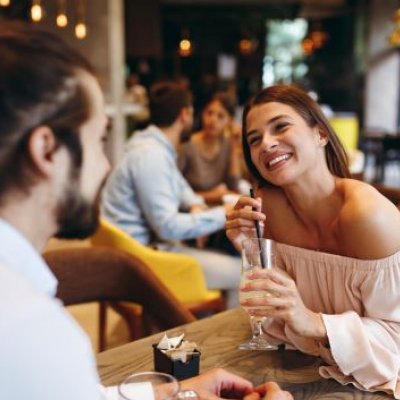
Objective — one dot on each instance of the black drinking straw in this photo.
(258, 230)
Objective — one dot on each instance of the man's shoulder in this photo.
(21, 303)
(144, 148)
(148, 138)
(37, 338)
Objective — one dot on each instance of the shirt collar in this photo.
(18, 254)
(157, 134)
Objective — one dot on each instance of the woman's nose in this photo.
(269, 142)
(212, 118)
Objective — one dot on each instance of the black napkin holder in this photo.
(176, 368)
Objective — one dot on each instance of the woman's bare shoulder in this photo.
(369, 224)
(271, 195)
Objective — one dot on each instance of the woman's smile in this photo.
(275, 160)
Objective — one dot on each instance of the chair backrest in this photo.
(180, 273)
(99, 274)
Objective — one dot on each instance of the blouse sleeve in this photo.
(365, 350)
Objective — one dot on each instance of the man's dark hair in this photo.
(167, 99)
(39, 86)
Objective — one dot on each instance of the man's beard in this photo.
(185, 135)
(77, 217)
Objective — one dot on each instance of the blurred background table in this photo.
(218, 338)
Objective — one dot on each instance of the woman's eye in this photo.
(253, 140)
(281, 127)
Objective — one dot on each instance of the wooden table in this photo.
(218, 338)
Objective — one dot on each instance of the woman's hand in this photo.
(283, 301)
(240, 222)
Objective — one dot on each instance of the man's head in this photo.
(51, 111)
(170, 103)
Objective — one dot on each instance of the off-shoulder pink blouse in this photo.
(360, 305)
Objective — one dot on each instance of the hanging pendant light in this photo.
(5, 3)
(185, 48)
(80, 27)
(36, 11)
(61, 19)
(316, 38)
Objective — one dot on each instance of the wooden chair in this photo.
(180, 273)
(111, 276)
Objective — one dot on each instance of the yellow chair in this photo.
(346, 127)
(180, 273)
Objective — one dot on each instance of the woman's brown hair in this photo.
(309, 110)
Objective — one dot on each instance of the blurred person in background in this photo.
(147, 196)
(210, 160)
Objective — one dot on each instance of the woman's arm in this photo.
(365, 350)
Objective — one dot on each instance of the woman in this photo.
(210, 160)
(337, 288)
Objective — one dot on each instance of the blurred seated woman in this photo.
(209, 160)
(335, 292)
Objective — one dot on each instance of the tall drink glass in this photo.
(257, 253)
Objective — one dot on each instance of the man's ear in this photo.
(185, 113)
(42, 146)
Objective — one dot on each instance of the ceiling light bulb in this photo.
(62, 20)
(80, 30)
(36, 12)
(185, 45)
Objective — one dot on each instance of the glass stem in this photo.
(257, 327)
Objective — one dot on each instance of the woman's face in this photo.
(215, 119)
(282, 145)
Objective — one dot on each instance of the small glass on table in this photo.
(153, 385)
(257, 253)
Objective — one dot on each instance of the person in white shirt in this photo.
(52, 167)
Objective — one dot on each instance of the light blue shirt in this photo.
(147, 196)
(44, 354)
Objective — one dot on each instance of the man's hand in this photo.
(218, 383)
(201, 241)
(269, 391)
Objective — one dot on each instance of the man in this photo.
(52, 167)
(147, 196)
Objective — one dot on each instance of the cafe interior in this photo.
(343, 53)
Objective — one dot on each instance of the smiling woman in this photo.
(297, 104)
(338, 266)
